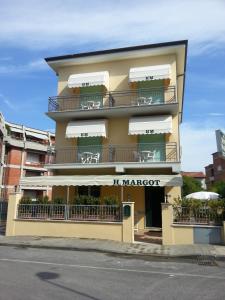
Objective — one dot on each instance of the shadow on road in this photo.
(49, 276)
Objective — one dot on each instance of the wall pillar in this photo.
(167, 221)
(223, 234)
(128, 224)
(12, 211)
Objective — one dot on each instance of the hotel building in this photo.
(117, 117)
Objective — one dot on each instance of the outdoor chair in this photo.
(95, 158)
(84, 106)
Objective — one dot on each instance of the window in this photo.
(89, 149)
(152, 91)
(32, 173)
(93, 191)
(154, 143)
(91, 97)
(33, 157)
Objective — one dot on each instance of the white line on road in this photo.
(112, 269)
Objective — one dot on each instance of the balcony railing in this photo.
(91, 101)
(199, 216)
(103, 213)
(139, 153)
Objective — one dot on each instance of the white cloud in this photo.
(216, 114)
(57, 23)
(33, 66)
(198, 143)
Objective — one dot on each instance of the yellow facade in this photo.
(118, 69)
(122, 151)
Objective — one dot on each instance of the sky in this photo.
(34, 29)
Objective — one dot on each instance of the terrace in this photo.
(156, 100)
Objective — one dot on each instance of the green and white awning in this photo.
(87, 128)
(89, 79)
(150, 125)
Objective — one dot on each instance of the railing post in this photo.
(12, 213)
(167, 221)
(66, 212)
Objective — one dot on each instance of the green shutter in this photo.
(92, 94)
(89, 144)
(152, 89)
(153, 142)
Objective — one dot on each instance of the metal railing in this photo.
(200, 216)
(103, 213)
(140, 153)
(89, 101)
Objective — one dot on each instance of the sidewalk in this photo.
(106, 246)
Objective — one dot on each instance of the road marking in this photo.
(112, 269)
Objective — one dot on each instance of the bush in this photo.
(58, 200)
(219, 187)
(190, 185)
(26, 200)
(217, 206)
(110, 200)
(86, 200)
(43, 200)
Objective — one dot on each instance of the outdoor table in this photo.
(86, 157)
(146, 155)
(144, 101)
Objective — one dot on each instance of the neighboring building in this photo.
(199, 176)
(23, 153)
(216, 171)
(2, 134)
(117, 116)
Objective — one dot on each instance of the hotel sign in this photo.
(136, 182)
(220, 141)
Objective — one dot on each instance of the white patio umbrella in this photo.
(203, 196)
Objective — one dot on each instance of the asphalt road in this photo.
(29, 274)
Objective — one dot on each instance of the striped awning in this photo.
(150, 125)
(150, 73)
(40, 136)
(89, 79)
(104, 180)
(86, 128)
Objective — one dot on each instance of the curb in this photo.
(167, 256)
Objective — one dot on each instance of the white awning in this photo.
(16, 129)
(150, 73)
(37, 135)
(86, 128)
(104, 180)
(89, 79)
(150, 125)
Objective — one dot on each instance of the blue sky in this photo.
(34, 29)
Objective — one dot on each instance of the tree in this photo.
(190, 185)
(219, 187)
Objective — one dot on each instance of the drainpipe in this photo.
(2, 164)
(67, 195)
(22, 154)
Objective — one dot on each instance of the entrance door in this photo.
(154, 196)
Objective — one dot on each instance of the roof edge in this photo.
(117, 50)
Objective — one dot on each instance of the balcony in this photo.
(141, 155)
(141, 101)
